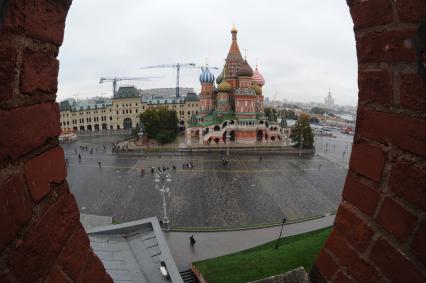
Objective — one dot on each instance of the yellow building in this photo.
(122, 111)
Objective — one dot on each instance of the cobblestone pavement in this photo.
(247, 191)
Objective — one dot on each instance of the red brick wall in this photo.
(379, 233)
(41, 238)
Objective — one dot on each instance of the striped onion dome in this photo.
(258, 78)
(206, 76)
(257, 89)
(245, 70)
(224, 86)
(220, 77)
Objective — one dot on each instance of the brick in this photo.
(42, 170)
(8, 71)
(25, 128)
(375, 85)
(412, 92)
(56, 277)
(75, 253)
(418, 245)
(411, 11)
(43, 20)
(360, 270)
(107, 278)
(404, 132)
(94, 270)
(356, 232)
(39, 73)
(392, 46)
(370, 13)
(342, 278)
(15, 208)
(394, 264)
(409, 181)
(326, 265)
(39, 249)
(360, 195)
(396, 220)
(367, 160)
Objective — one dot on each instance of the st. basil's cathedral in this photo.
(232, 110)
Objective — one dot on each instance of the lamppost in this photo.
(279, 237)
(228, 140)
(165, 178)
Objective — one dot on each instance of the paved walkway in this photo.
(213, 244)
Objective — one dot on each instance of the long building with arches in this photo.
(232, 109)
(121, 111)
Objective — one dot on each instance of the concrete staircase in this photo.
(188, 276)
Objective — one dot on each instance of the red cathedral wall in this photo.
(40, 233)
(380, 228)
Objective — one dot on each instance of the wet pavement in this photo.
(247, 191)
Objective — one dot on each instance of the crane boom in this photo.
(114, 81)
(177, 66)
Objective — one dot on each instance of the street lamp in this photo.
(228, 140)
(165, 178)
(279, 237)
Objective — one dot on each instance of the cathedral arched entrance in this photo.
(259, 135)
(232, 135)
(127, 124)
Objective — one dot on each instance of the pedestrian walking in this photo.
(174, 167)
(99, 164)
(260, 158)
(192, 240)
(66, 161)
(152, 170)
(79, 157)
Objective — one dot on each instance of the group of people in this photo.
(188, 165)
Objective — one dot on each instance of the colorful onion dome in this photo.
(257, 89)
(206, 76)
(258, 78)
(224, 86)
(220, 77)
(245, 70)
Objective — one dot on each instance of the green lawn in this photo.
(264, 261)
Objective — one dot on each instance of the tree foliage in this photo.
(302, 129)
(160, 124)
(271, 114)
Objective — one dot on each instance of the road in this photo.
(248, 191)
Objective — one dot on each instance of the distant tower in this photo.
(206, 95)
(329, 100)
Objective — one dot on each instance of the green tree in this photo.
(160, 124)
(290, 114)
(271, 114)
(302, 129)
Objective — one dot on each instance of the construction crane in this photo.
(114, 81)
(177, 66)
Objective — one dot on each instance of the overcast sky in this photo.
(303, 47)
